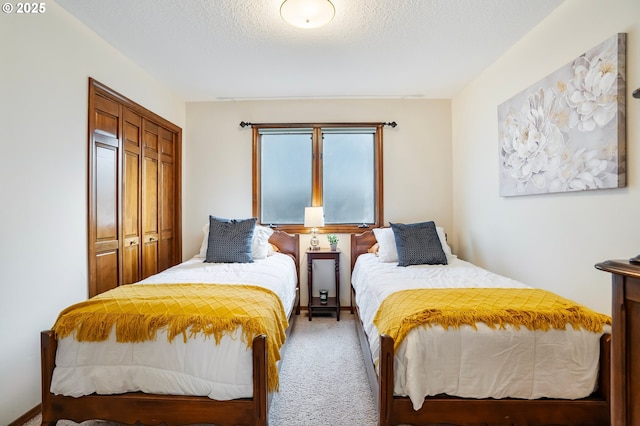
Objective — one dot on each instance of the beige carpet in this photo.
(322, 379)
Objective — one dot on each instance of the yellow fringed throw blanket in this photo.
(534, 309)
(138, 311)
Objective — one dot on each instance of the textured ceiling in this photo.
(242, 49)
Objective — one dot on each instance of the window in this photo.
(337, 166)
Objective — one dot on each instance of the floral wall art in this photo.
(567, 132)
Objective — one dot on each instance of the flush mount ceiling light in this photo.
(307, 13)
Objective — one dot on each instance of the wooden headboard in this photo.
(360, 243)
(288, 244)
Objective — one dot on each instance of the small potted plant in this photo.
(333, 241)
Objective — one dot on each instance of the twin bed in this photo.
(522, 370)
(469, 371)
(176, 376)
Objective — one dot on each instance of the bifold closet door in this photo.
(134, 191)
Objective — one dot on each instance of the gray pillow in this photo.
(230, 240)
(418, 244)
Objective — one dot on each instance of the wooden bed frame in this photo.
(152, 409)
(444, 409)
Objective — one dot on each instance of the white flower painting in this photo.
(567, 132)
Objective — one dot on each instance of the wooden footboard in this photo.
(150, 409)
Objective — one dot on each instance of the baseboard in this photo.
(26, 416)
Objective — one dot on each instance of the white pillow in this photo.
(260, 247)
(387, 241)
(387, 251)
(205, 242)
(443, 240)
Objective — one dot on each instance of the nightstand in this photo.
(333, 303)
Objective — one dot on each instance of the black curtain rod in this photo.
(244, 124)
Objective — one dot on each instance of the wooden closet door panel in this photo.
(104, 151)
(107, 271)
(105, 243)
(166, 254)
(106, 117)
(132, 131)
(149, 217)
(150, 199)
(106, 193)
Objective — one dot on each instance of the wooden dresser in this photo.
(625, 350)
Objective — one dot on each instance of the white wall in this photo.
(45, 62)
(416, 154)
(550, 241)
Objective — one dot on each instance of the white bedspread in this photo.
(199, 367)
(463, 362)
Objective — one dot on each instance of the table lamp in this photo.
(314, 218)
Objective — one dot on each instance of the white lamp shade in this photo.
(313, 217)
(307, 13)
